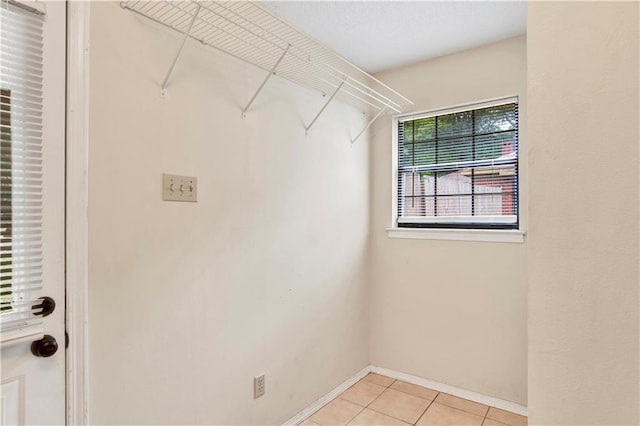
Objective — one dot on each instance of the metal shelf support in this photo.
(272, 72)
(306, 129)
(163, 91)
(370, 123)
(249, 31)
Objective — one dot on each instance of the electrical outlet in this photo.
(258, 386)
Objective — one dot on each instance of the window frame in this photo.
(453, 231)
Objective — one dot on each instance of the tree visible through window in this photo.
(459, 169)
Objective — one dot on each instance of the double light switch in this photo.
(179, 188)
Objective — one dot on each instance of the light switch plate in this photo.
(179, 188)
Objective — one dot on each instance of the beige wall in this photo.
(583, 239)
(270, 274)
(451, 311)
(266, 273)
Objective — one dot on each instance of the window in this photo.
(21, 142)
(459, 169)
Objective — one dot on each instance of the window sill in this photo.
(487, 235)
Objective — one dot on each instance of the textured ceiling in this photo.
(381, 35)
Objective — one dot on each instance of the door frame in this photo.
(77, 209)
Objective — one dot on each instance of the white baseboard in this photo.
(318, 404)
(440, 387)
(452, 390)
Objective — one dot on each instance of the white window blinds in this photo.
(459, 169)
(21, 57)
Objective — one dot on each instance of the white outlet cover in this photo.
(258, 386)
(179, 188)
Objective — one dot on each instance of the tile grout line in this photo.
(425, 410)
(484, 417)
(435, 397)
(357, 414)
(366, 406)
(400, 390)
(466, 411)
(406, 393)
(472, 396)
(374, 399)
(431, 402)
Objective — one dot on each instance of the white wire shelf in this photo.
(248, 31)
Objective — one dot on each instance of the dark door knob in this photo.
(44, 347)
(47, 306)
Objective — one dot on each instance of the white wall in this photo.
(583, 186)
(266, 273)
(454, 312)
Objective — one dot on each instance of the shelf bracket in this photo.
(163, 91)
(272, 72)
(370, 123)
(306, 129)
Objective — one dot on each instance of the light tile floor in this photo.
(380, 400)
